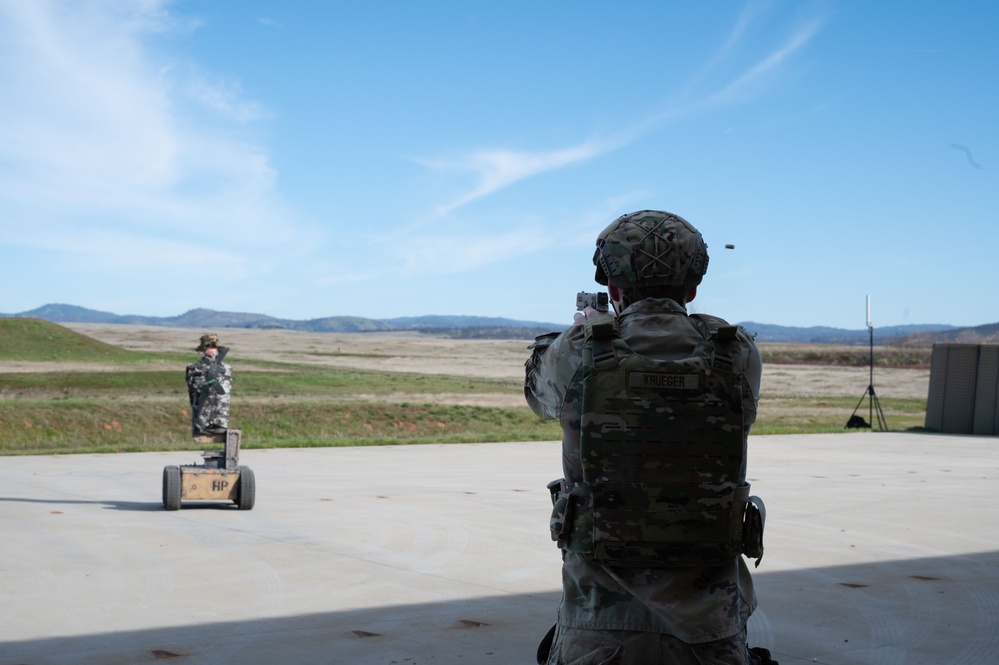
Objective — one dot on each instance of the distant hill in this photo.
(986, 334)
(36, 339)
(483, 327)
(924, 334)
(475, 327)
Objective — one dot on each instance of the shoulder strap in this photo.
(722, 338)
(600, 333)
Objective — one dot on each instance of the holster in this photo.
(752, 530)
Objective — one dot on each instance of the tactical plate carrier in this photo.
(663, 452)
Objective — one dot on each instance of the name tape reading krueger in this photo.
(663, 380)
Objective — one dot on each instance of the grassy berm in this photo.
(74, 394)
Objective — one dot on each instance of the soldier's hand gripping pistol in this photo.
(595, 302)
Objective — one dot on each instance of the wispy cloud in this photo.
(464, 251)
(496, 169)
(125, 251)
(749, 13)
(767, 64)
(224, 96)
(423, 249)
(78, 99)
(97, 128)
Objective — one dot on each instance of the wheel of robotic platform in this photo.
(247, 488)
(171, 487)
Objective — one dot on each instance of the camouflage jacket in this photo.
(695, 604)
(215, 407)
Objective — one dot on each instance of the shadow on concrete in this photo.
(458, 631)
(115, 505)
(140, 506)
(939, 610)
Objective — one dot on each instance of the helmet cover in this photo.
(650, 248)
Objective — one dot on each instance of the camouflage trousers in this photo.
(575, 646)
(214, 415)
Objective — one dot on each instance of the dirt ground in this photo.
(496, 359)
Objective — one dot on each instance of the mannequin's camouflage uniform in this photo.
(686, 608)
(214, 414)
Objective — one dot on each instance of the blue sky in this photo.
(384, 159)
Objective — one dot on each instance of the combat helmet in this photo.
(208, 339)
(650, 248)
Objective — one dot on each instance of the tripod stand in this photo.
(857, 421)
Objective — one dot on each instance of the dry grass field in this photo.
(381, 388)
(493, 359)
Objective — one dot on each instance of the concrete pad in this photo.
(881, 548)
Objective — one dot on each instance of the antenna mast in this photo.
(856, 421)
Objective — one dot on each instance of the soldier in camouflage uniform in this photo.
(209, 384)
(651, 515)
